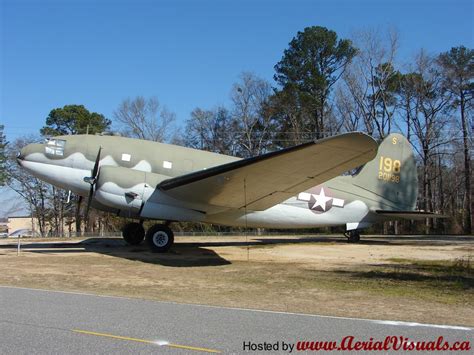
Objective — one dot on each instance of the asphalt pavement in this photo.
(54, 322)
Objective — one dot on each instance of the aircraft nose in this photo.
(19, 158)
(23, 154)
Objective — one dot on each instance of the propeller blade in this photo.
(95, 170)
(92, 180)
(96, 165)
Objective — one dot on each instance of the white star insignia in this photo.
(321, 200)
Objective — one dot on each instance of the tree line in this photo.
(323, 85)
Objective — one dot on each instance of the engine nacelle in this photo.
(125, 189)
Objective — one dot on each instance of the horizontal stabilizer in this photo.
(410, 214)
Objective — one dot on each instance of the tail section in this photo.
(392, 174)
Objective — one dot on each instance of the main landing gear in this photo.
(133, 233)
(352, 236)
(159, 237)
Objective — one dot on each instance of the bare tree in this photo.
(428, 123)
(347, 110)
(250, 98)
(458, 72)
(211, 130)
(409, 100)
(371, 80)
(145, 119)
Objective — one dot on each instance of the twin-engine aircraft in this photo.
(297, 187)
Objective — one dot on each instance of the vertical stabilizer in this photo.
(392, 174)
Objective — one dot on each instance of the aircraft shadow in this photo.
(180, 255)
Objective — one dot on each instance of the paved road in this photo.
(47, 322)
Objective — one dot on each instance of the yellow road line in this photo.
(192, 348)
(144, 341)
(113, 336)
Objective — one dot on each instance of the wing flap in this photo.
(261, 182)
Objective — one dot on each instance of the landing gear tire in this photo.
(353, 236)
(133, 233)
(159, 238)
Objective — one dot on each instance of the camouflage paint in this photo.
(131, 169)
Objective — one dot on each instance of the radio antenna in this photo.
(246, 224)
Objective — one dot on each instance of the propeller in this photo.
(92, 180)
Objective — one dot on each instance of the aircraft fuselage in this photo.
(131, 170)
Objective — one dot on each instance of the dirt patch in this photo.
(403, 278)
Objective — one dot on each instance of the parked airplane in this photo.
(297, 187)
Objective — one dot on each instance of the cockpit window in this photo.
(55, 147)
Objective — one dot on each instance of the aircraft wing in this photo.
(261, 182)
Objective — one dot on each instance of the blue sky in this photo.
(186, 53)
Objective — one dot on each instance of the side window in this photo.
(55, 147)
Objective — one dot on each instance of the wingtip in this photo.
(357, 137)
